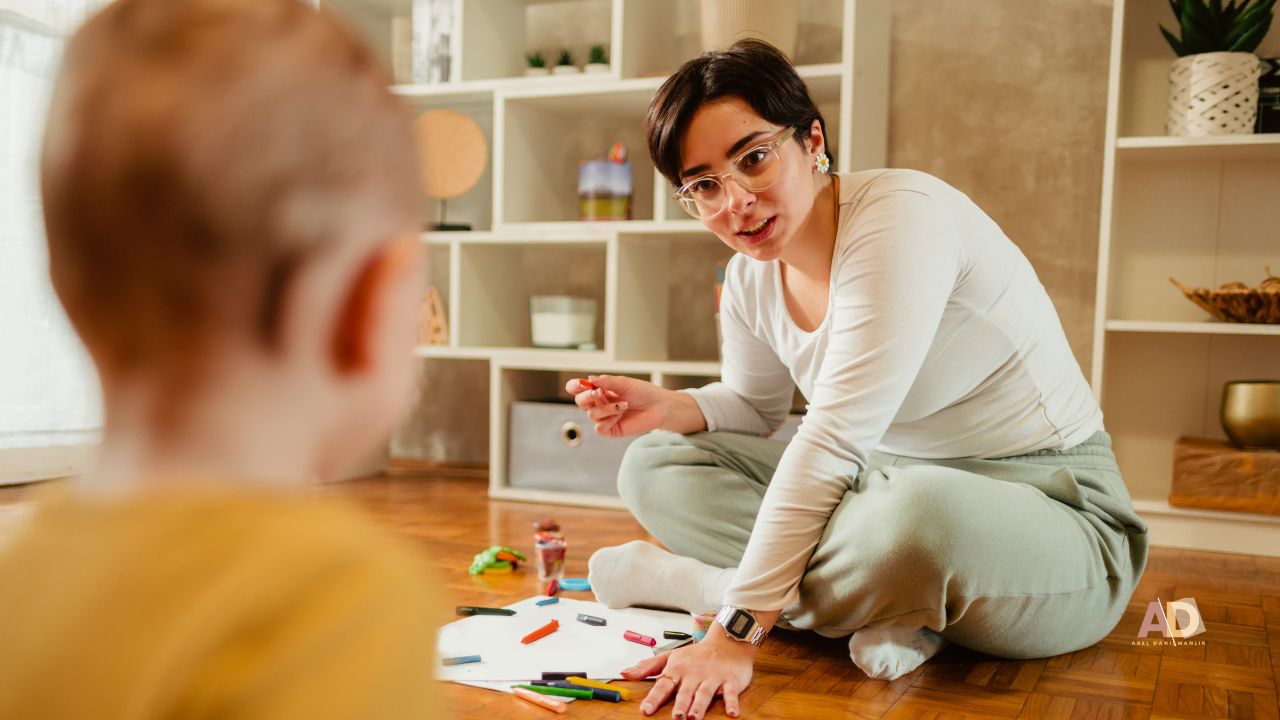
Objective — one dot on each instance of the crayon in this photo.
(563, 675)
(584, 682)
(583, 694)
(591, 620)
(636, 637)
(675, 635)
(547, 601)
(462, 660)
(541, 632)
(672, 646)
(549, 703)
(477, 610)
(605, 694)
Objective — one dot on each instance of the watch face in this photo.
(739, 624)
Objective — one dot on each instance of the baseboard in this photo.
(1211, 530)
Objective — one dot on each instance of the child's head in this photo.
(231, 199)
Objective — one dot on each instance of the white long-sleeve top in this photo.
(938, 342)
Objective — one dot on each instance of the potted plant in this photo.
(564, 64)
(727, 21)
(1213, 85)
(537, 64)
(597, 61)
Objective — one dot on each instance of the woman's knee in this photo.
(644, 477)
(908, 523)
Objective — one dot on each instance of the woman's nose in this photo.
(737, 197)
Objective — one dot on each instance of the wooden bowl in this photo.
(1241, 305)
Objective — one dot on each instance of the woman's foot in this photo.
(640, 573)
(888, 653)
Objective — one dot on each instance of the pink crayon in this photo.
(636, 637)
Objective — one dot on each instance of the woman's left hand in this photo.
(696, 674)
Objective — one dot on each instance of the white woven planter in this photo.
(1213, 94)
(727, 21)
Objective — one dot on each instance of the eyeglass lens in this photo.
(755, 172)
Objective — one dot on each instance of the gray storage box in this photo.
(553, 446)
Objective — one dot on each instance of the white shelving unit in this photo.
(1201, 210)
(648, 274)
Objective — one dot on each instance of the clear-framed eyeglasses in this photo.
(755, 170)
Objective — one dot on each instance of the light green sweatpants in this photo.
(1019, 557)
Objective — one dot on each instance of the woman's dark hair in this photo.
(752, 70)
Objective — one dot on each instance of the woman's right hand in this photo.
(621, 406)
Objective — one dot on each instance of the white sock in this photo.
(888, 653)
(640, 573)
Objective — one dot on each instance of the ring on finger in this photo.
(672, 678)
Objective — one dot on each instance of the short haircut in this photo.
(751, 70)
(197, 153)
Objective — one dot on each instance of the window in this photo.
(50, 403)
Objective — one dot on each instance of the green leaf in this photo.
(1251, 39)
(1173, 42)
(1195, 39)
(1257, 10)
(1229, 12)
(1244, 28)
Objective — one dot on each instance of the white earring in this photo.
(822, 163)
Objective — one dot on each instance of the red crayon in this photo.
(588, 384)
(636, 637)
(542, 632)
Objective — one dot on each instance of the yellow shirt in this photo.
(212, 605)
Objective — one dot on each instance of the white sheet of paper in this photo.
(601, 652)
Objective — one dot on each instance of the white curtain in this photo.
(49, 395)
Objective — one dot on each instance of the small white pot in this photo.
(1213, 94)
(565, 70)
(536, 72)
(596, 68)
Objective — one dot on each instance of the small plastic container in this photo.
(702, 623)
(562, 321)
(549, 551)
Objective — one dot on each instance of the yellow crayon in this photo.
(625, 693)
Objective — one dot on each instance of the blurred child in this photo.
(231, 206)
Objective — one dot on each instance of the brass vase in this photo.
(1251, 413)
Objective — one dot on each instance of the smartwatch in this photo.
(741, 625)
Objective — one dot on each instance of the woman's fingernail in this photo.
(646, 709)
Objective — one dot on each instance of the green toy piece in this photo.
(489, 558)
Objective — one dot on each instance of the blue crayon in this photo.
(463, 660)
(548, 601)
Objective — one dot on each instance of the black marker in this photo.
(562, 675)
(596, 693)
(475, 610)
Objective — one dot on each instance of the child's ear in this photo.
(367, 304)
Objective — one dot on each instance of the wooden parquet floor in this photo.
(1235, 673)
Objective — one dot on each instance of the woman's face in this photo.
(760, 225)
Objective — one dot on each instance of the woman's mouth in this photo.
(758, 231)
